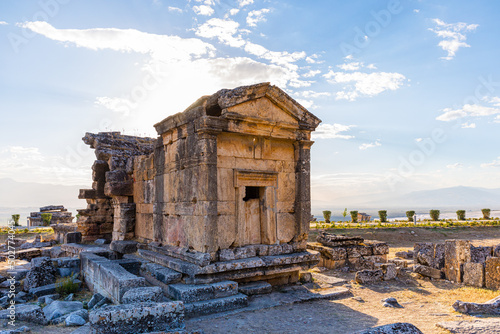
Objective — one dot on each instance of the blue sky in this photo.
(408, 91)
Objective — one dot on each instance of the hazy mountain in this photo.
(25, 197)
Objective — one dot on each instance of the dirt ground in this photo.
(424, 302)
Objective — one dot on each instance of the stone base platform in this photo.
(256, 268)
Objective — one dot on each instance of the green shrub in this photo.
(409, 215)
(15, 218)
(327, 215)
(66, 285)
(434, 214)
(46, 218)
(486, 213)
(383, 216)
(461, 215)
(354, 216)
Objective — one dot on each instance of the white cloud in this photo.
(468, 125)
(497, 119)
(234, 11)
(256, 16)
(243, 3)
(203, 10)
(313, 94)
(453, 36)
(495, 163)
(416, 11)
(174, 9)
(308, 104)
(467, 110)
(418, 140)
(3, 23)
(493, 100)
(370, 145)
(223, 30)
(311, 73)
(456, 165)
(352, 66)
(168, 48)
(332, 131)
(371, 67)
(364, 84)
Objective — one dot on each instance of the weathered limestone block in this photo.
(138, 318)
(358, 251)
(190, 293)
(397, 328)
(143, 295)
(73, 237)
(41, 273)
(123, 246)
(427, 271)
(457, 252)
(389, 270)
(424, 253)
(439, 258)
(492, 273)
(405, 255)
(378, 247)
(333, 240)
(255, 288)
(473, 274)
(480, 254)
(496, 251)
(332, 253)
(490, 307)
(26, 312)
(369, 276)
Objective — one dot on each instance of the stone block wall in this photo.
(461, 262)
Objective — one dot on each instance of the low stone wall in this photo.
(107, 277)
(459, 261)
(354, 253)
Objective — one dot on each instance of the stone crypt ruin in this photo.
(222, 194)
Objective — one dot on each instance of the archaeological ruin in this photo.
(222, 193)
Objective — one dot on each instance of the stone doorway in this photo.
(255, 207)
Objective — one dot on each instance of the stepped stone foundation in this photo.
(223, 193)
(60, 215)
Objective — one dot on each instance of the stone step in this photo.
(190, 293)
(255, 288)
(216, 305)
(163, 274)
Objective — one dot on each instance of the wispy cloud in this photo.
(366, 146)
(174, 9)
(203, 10)
(332, 131)
(222, 30)
(468, 125)
(256, 16)
(456, 165)
(494, 163)
(311, 73)
(243, 3)
(3, 23)
(467, 110)
(453, 36)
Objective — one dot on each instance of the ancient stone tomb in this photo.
(223, 193)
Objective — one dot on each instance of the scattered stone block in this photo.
(56, 252)
(48, 289)
(439, 256)
(368, 276)
(73, 237)
(477, 326)
(358, 251)
(45, 299)
(42, 273)
(142, 295)
(138, 318)
(333, 240)
(427, 271)
(480, 254)
(474, 274)
(190, 293)
(304, 277)
(163, 274)
(397, 328)
(101, 242)
(255, 288)
(123, 246)
(328, 279)
(496, 251)
(74, 320)
(59, 308)
(490, 307)
(457, 252)
(26, 312)
(492, 273)
(378, 247)
(405, 255)
(391, 302)
(424, 252)
(389, 270)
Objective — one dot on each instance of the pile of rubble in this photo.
(458, 261)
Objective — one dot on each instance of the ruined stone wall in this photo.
(144, 194)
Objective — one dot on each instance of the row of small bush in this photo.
(425, 223)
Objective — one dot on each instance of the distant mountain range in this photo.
(25, 197)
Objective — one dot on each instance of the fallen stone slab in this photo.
(76, 249)
(490, 307)
(397, 328)
(427, 271)
(163, 274)
(74, 320)
(255, 288)
(408, 255)
(138, 318)
(479, 326)
(26, 312)
(59, 308)
(334, 281)
(190, 293)
(142, 295)
(48, 289)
